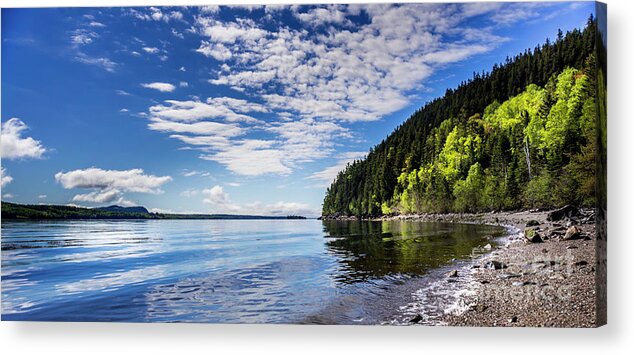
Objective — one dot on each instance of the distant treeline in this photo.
(13, 211)
(525, 135)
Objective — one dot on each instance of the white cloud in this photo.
(151, 50)
(96, 24)
(177, 34)
(162, 87)
(6, 179)
(229, 109)
(251, 157)
(218, 51)
(7, 196)
(221, 203)
(156, 14)
(210, 9)
(233, 184)
(189, 173)
(102, 62)
(206, 128)
(41, 197)
(123, 93)
(109, 185)
(219, 200)
(102, 196)
(15, 146)
(322, 15)
(82, 37)
(183, 84)
(134, 180)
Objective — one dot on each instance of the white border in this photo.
(616, 337)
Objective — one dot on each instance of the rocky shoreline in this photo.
(547, 275)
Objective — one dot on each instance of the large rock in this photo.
(496, 265)
(573, 233)
(533, 236)
(561, 213)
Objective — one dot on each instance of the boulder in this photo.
(487, 247)
(453, 273)
(573, 233)
(495, 265)
(533, 236)
(561, 213)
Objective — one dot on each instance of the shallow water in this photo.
(226, 271)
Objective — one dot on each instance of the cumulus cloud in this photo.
(251, 157)
(105, 196)
(6, 179)
(15, 146)
(109, 185)
(220, 202)
(162, 87)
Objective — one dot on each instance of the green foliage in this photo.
(523, 135)
(468, 192)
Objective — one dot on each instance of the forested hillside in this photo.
(522, 136)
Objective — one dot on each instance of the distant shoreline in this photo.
(20, 212)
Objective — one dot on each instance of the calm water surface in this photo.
(224, 271)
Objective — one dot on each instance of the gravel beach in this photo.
(545, 275)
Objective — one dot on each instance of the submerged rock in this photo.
(453, 273)
(416, 319)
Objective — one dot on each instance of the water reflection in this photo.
(371, 249)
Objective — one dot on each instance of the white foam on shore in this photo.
(442, 296)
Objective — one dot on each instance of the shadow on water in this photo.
(374, 249)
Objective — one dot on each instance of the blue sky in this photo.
(247, 110)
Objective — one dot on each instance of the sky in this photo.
(241, 109)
